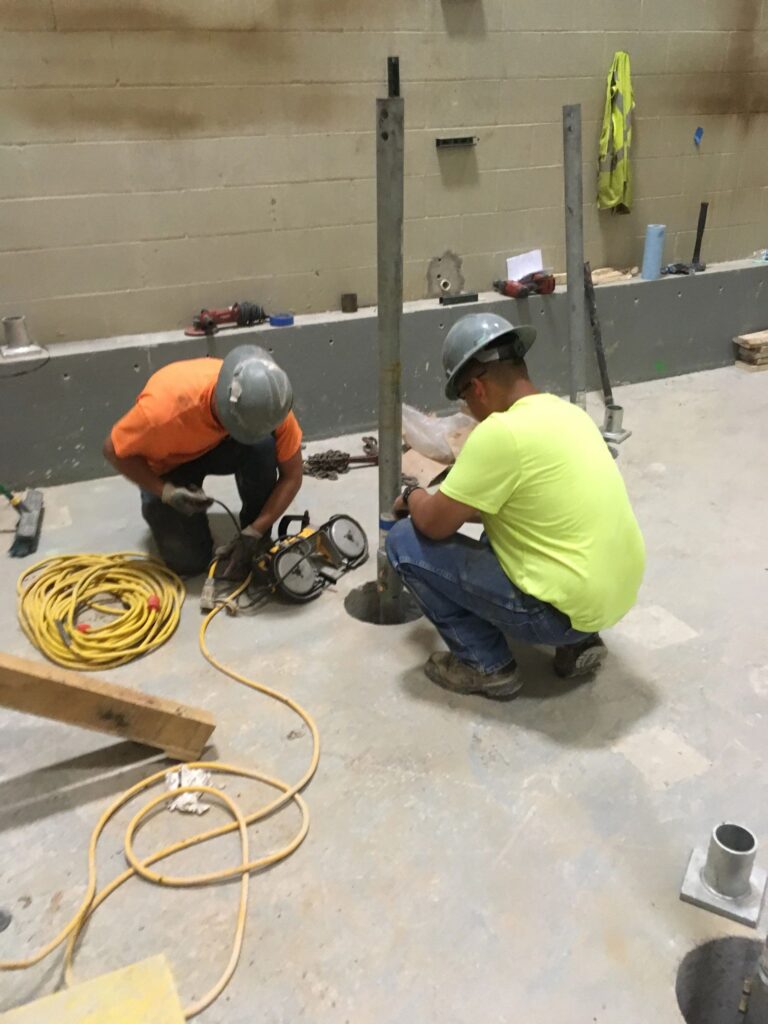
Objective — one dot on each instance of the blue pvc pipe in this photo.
(654, 251)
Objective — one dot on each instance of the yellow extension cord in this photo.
(122, 586)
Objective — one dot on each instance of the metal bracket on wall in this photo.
(444, 275)
(457, 142)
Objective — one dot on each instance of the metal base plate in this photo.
(745, 911)
(617, 437)
(11, 352)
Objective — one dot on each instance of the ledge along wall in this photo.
(55, 416)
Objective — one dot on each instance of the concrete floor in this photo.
(467, 861)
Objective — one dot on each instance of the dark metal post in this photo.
(389, 212)
(574, 249)
(597, 334)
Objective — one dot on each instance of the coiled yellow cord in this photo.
(135, 603)
(131, 578)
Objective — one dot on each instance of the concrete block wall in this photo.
(160, 156)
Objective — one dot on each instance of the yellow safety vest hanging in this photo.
(614, 189)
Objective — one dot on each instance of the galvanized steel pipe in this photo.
(390, 117)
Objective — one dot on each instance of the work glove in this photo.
(189, 500)
(235, 560)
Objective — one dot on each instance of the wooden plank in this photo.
(747, 356)
(756, 340)
(143, 993)
(52, 692)
(751, 367)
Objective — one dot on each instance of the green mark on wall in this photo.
(660, 366)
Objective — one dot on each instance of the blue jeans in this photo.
(184, 542)
(465, 593)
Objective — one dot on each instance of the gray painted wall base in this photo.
(54, 417)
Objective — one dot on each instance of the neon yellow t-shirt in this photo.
(555, 509)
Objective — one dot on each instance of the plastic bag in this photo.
(436, 437)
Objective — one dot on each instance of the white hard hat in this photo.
(253, 394)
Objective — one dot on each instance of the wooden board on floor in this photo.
(751, 367)
(143, 993)
(49, 691)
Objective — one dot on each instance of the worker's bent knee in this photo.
(401, 540)
(182, 558)
(185, 545)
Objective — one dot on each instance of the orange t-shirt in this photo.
(172, 421)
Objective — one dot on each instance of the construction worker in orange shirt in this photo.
(211, 417)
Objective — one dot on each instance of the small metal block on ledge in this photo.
(724, 879)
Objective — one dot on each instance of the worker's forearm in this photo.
(277, 503)
(420, 506)
(136, 469)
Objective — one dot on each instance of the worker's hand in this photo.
(190, 501)
(400, 509)
(235, 560)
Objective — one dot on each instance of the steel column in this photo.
(574, 249)
(389, 213)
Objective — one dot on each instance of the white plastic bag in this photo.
(436, 437)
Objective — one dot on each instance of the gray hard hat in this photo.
(477, 336)
(253, 395)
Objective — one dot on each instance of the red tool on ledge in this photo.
(538, 283)
(211, 321)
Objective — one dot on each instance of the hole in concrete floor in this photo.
(735, 838)
(711, 977)
(364, 603)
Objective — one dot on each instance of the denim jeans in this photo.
(463, 590)
(184, 542)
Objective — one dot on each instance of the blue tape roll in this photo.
(653, 254)
(281, 319)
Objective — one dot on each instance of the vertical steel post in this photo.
(574, 250)
(389, 220)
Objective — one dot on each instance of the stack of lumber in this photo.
(752, 351)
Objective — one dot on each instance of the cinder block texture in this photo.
(158, 157)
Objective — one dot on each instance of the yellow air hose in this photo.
(142, 600)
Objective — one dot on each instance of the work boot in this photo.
(448, 671)
(580, 659)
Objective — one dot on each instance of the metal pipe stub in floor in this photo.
(725, 878)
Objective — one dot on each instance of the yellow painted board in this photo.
(143, 993)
